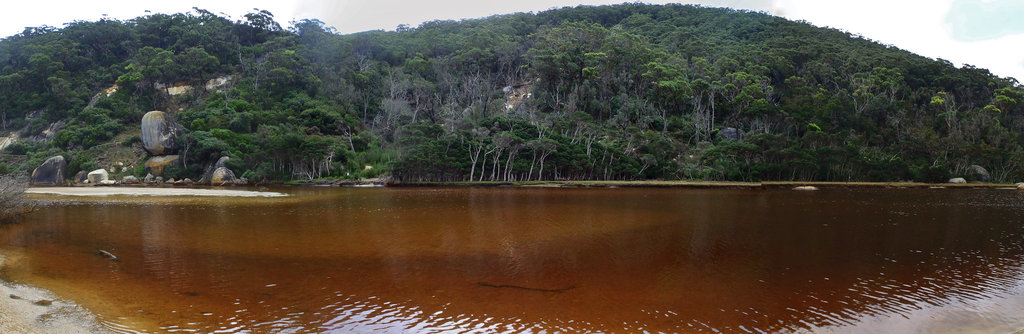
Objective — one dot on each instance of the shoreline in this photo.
(31, 310)
(144, 191)
(705, 184)
(211, 191)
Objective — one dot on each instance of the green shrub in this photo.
(265, 171)
(82, 161)
(21, 148)
(177, 172)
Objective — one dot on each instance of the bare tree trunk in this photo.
(483, 165)
(508, 163)
(529, 175)
(540, 173)
(494, 166)
(711, 97)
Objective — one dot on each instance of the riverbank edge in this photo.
(706, 184)
(387, 182)
(150, 191)
(585, 184)
(30, 309)
(11, 319)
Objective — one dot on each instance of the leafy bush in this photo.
(82, 161)
(194, 172)
(21, 148)
(265, 171)
(91, 127)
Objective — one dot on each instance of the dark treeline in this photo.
(613, 92)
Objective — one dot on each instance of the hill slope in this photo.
(614, 92)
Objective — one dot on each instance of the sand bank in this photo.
(138, 191)
(29, 310)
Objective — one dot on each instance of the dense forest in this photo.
(620, 92)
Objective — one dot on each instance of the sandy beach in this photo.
(29, 310)
(139, 191)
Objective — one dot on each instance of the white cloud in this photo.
(919, 26)
(361, 15)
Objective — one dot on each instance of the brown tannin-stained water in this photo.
(537, 260)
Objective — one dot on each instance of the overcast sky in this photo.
(984, 33)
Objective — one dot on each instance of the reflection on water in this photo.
(514, 260)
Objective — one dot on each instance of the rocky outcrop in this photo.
(80, 177)
(219, 174)
(223, 176)
(515, 95)
(179, 90)
(99, 176)
(215, 84)
(160, 133)
(173, 89)
(51, 172)
(157, 165)
(208, 175)
(979, 173)
(730, 133)
(47, 134)
(130, 180)
(8, 140)
(957, 180)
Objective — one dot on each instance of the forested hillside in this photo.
(615, 92)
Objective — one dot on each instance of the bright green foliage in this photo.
(91, 127)
(82, 162)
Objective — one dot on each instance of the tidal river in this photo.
(489, 260)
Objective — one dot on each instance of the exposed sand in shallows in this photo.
(133, 191)
(29, 310)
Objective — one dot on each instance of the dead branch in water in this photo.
(108, 255)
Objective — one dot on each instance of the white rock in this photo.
(98, 176)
